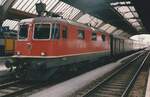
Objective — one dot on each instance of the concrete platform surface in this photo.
(68, 87)
(148, 86)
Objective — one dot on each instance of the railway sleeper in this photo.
(113, 86)
(110, 89)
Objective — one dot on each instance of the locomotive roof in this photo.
(52, 19)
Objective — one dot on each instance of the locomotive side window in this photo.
(42, 31)
(103, 37)
(55, 31)
(94, 36)
(81, 34)
(64, 33)
(23, 32)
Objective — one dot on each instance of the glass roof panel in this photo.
(122, 2)
(117, 32)
(88, 19)
(60, 5)
(111, 29)
(25, 5)
(22, 4)
(135, 14)
(51, 4)
(84, 19)
(11, 23)
(123, 9)
(61, 8)
(31, 8)
(139, 28)
(73, 14)
(135, 24)
(2, 2)
(105, 27)
(67, 13)
(66, 10)
(28, 3)
(128, 2)
(99, 23)
(132, 8)
(129, 13)
(17, 4)
(132, 20)
(115, 3)
(94, 22)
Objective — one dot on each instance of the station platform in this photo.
(148, 86)
(70, 86)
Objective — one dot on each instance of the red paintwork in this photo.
(60, 47)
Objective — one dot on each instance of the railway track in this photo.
(15, 88)
(119, 83)
(11, 89)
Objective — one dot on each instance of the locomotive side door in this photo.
(64, 39)
(23, 43)
(40, 39)
(29, 40)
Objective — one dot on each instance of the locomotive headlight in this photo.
(43, 53)
(18, 53)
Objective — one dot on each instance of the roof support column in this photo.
(8, 4)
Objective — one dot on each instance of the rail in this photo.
(115, 73)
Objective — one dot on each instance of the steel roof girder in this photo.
(8, 4)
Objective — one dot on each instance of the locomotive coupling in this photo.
(9, 65)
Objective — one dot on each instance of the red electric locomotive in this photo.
(44, 44)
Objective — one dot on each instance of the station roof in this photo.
(114, 16)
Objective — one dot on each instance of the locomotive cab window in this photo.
(23, 32)
(64, 33)
(42, 31)
(55, 31)
(81, 34)
(103, 37)
(94, 36)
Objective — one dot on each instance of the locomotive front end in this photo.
(33, 48)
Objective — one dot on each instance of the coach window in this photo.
(81, 34)
(23, 32)
(94, 36)
(64, 33)
(42, 31)
(55, 31)
(103, 37)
